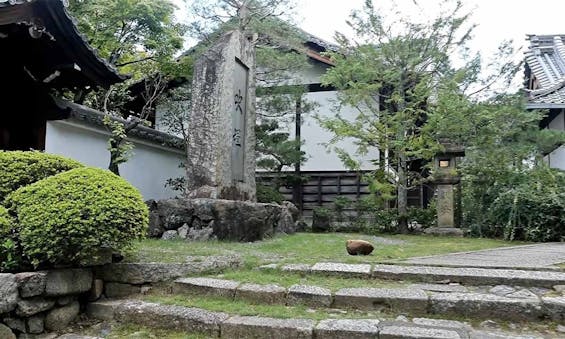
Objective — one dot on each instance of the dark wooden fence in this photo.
(320, 189)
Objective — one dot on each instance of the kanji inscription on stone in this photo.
(239, 112)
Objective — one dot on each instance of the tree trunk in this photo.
(113, 166)
(402, 195)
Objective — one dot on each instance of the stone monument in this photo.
(221, 155)
(445, 178)
(222, 122)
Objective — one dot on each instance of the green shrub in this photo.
(8, 255)
(382, 221)
(321, 219)
(267, 194)
(427, 217)
(24, 168)
(534, 210)
(67, 218)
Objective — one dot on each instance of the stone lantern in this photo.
(445, 178)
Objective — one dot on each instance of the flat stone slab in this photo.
(555, 308)
(413, 301)
(259, 327)
(296, 268)
(206, 286)
(347, 270)
(312, 296)
(347, 328)
(442, 323)
(471, 276)
(485, 306)
(170, 317)
(270, 294)
(68, 281)
(410, 332)
(439, 287)
(103, 310)
(140, 273)
(496, 335)
(527, 256)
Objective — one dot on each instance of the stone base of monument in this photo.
(203, 219)
(447, 231)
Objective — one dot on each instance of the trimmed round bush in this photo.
(23, 168)
(67, 218)
(6, 221)
(8, 256)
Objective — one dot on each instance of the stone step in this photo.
(222, 325)
(464, 275)
(516, 306)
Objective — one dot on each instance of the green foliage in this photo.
(120, 148)
(123, 31)
(381, 221)
(8, 253)
(268, 194)
(275, 150)
(69, 217)
(321, 218)
(426, 217)
(389, 75)
(503, 170)
(23, 168)
(527, 205)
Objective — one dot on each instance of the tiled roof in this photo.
(545, 58)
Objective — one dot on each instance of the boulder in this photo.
(29, 307)
(59, 318)
(6, 332)
(294, 211)
(8, 292)
(286, 223)
(31, 283)
(359, 247)
(170, 235)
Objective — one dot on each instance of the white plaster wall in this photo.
(314, 137)
(320, 158)
(148, 169)
(556, 158)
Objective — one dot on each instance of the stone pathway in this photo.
(222, 325)
(536, 256)
(499, 302)
(464, 275)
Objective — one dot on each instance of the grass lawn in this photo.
(287, 279)
(243, 308)
(310, 248)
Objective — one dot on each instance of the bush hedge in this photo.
(268, 194)
(8, 256)
(23, 168)
(66, 218)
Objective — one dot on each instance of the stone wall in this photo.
(48, 301)
(35, 302)
(203, 219)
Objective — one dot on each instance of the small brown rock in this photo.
(362, 247)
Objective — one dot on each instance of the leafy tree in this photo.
(138, 37)
(389, 76)
(508, 191)
(276, 151)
